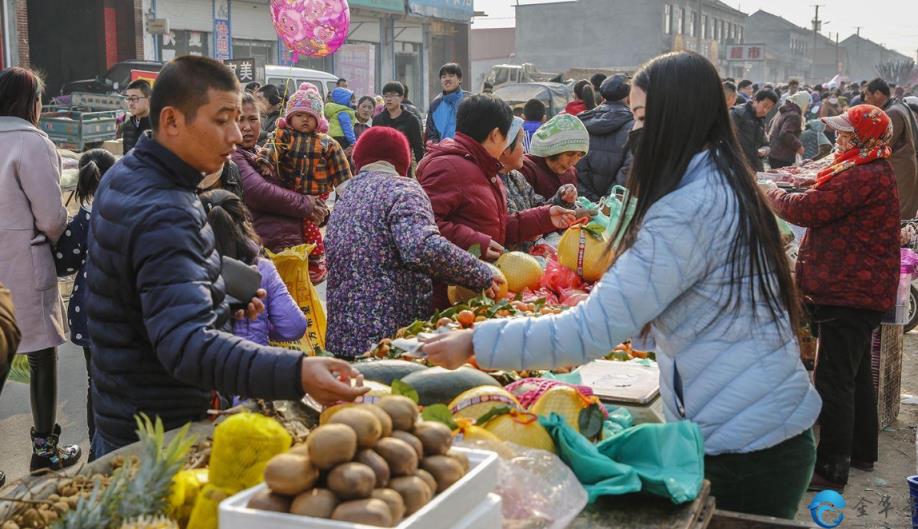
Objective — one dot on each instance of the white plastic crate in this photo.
(447, 510)
(486, 516)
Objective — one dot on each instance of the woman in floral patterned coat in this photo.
(384, 249)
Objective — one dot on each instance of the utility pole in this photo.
(699, 30)
(817, 25)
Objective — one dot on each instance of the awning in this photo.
(388, 6)
(456, 10)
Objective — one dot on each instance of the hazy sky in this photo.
(890, 22)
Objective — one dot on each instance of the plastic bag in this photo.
(558, 278)
(537, 489)
(293, 266)
(663, 459)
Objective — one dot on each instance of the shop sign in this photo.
(389, 6)
(223, 49)
(458, 10)
(746, 52)
(243, 68)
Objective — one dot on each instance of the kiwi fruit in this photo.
(299, 449)
(377, 463)
(411, 440)
(265, 500)
(351, 481)
(435, 437)
(318, 503)
(370, 511)
(461, 458)
(402, 459)
(393, 500)
(425, 475)
(363, 422)
(331, 444)
(384, 420)
(290, 474)
(444, 469)
(402, 410)
(414, 492)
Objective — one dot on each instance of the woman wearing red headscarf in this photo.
(847, 271)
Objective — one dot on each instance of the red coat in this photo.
(849, 256)
(542, 179)
(470, 202)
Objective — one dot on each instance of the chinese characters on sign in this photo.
(222, 47)
(243, 68)
(746, 52)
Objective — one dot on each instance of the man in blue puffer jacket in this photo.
(156, 305)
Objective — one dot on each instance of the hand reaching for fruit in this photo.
(328, 380)
(493, 251)
(562, 217)
(493, 291)
(568, 193)
(450, 350)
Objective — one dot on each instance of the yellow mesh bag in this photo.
(293, 266)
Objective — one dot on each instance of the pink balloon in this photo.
(314, 28)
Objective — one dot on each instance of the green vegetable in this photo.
(405, 390)
(439, 413)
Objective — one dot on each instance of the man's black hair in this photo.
(479, 114)
(794, 82)
(451, 68)
(744, 83)
(184, 83)
(534, 110)
(764, 94)
(879, 85)
(341, 80)
(271, 93)
(730, 86)
(141, 84)
(252, 87)
(394, 87)
(596, 80)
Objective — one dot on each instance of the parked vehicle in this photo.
(504, 74)
(288, 79)
(555, 96)
(116, 79)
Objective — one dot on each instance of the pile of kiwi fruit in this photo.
(373, 464)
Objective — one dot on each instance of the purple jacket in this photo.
(282, 320)
(383, 250)
(277, 213)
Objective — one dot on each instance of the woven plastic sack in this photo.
(293, 266)
(536, 488)
(528, 390)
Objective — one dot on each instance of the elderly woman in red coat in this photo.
(468, 197)
(848, 272)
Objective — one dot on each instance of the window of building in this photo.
(723, 30)
(714, 33)
(704, 27)
(739, 34)
(691, 23)
(733, 31)
(263, 51)
(668, 19)
(680, 20)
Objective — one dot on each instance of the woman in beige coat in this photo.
(32, 218)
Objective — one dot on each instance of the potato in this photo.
(414, 492)
(384, 420)
(402, 459)
(461, 458)
(318, 503)
(428, 478)
(370, 512)
(290, 474)
(393, 500)
(444, 469)
(411, 440)
(351, 481)
(402, 410)
(364, 423)
(331, 444)
(435, 437)
(377, 463)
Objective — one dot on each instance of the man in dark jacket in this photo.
(156, 303)
(138, 121)
(749, 120)
(396, 116)
(441, 116)
(608, 161)
(903, 143)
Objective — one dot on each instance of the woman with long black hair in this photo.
(702, 264)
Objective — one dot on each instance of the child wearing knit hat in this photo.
(301, 156)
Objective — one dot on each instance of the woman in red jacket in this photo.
(848, 271)
(468, 197)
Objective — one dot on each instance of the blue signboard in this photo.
(223, 47)
(458, 10)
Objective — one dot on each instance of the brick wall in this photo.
(22, 32)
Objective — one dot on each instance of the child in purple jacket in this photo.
(235, 237)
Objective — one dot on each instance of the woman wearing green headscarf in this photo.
(555, 149)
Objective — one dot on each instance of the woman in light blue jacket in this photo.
(702, 264)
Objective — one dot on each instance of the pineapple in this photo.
(150, 522)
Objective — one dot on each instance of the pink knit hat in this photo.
(307, 99)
